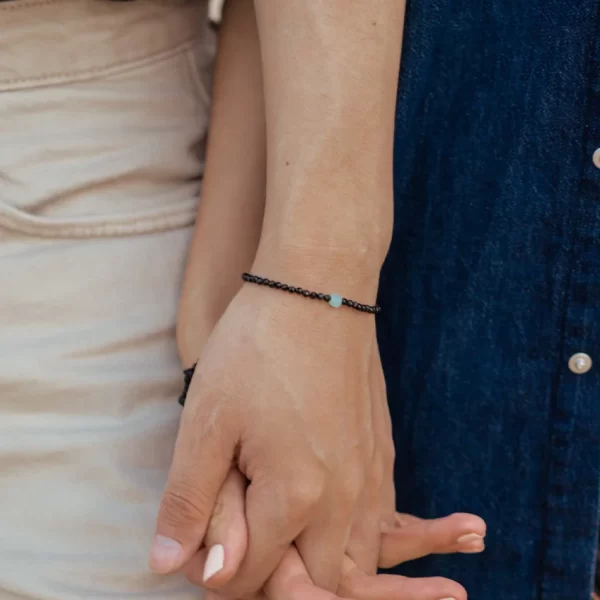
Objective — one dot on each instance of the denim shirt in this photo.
(492, 285)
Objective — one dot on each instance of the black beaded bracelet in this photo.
(187, 380)
(334, 300)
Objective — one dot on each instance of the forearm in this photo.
(233, 192)
(330, 71)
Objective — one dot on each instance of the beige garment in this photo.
(103, 114)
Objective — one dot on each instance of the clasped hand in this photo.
(309, 432)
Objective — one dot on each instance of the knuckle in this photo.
(183, 503)
(218, 509)
(305, 493)
(218, 520)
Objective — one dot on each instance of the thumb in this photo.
(203, 455)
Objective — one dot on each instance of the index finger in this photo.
(273, 525)
(416, 537)
(226, 539)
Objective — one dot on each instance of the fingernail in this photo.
(448, 599)
(468, 538)
(214, 561)
(164, 555)
(472, 548)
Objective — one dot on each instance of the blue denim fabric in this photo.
(493, 282)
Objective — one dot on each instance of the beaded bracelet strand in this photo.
(334, 300)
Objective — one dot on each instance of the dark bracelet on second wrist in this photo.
(187, 380)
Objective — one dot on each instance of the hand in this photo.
(283, 388)
(409, 538)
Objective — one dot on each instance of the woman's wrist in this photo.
(350, 272)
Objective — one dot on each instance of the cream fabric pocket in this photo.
(119, 154)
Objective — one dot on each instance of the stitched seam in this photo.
(91, 73)
(175, 220)
(193, 67)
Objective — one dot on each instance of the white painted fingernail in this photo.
(468, 538)
(214, 561)
(448, 599)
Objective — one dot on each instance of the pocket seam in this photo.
(201, 91)
(60, 78)
(180, 215)
(173, 217)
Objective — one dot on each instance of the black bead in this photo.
(327, 297)
(306, 293)
(321, 296)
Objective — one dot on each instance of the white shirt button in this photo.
(580, 363)
(596, 158)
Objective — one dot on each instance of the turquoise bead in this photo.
(335, 300)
